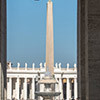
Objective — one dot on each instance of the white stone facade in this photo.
(22, 82)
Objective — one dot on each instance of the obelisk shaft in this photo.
(49, 39)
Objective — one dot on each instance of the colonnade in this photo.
(17, 88)
(68, 89)
(22, 81)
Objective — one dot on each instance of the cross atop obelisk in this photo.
(49, 39)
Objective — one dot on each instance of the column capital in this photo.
(10, 77)
(60, 78)
(18, 77)
(25, 77)
(75, 77)
(68, 78)
(33, 78)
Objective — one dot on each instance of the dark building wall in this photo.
(81, 48)
(2, 49)
(89, 49)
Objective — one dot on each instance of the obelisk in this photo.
(48, 80)
(49, 39)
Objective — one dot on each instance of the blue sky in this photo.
(26, 31)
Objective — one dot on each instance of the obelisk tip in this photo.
(49, 0)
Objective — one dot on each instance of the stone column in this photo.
(75, 88)
(60, 87)
(41, 87)
(33, 88)
(29, 90)
(14, 87)
(68, 89)
(57, 89)
(25, 88)
(3, 86)
(41, 90)
(17, 89)
(7, 88)
(49, 38)
(56, 86)
(22, 88)
(10, 88)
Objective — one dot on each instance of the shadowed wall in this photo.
(3, 49)
(88, 52)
